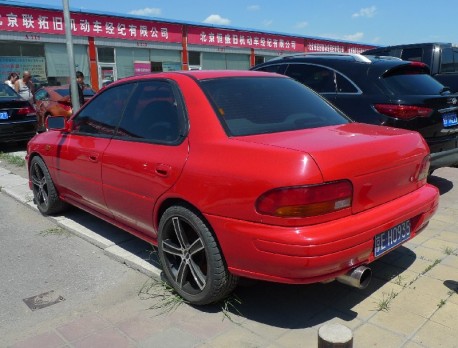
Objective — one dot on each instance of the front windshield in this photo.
(257, 105)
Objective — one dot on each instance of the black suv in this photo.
(442, 59)
(383, 91)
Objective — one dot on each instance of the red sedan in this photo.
(236, 174)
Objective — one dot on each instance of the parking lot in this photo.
(411, 302)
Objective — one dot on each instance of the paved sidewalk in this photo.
(412, 300)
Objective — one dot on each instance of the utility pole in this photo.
(71, 61)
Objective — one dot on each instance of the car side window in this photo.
(344, 85)
(153, 114)
(101, 115)
(318, 78)
(412, 54)
(447, 63)
(275, 68)
(41, 95)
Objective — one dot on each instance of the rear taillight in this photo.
(423, 169)
(404, 112)
(65, 105)
(306, 201)
(27, 111)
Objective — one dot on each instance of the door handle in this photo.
(94, 157)
(163, 170)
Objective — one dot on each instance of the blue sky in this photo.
(378, 22)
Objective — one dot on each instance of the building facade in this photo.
(111, 46)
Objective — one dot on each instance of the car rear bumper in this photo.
(18, 131)
(320, 252)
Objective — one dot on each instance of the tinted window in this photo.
(153, 114)
(412, 54)
(7, 92)
(102, 114)
(251, 105)
(447, 61)
(318, 78)
(41, 94)
(272, 68)
(409, 82)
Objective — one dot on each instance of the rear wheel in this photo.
(44, 192)
(191, 259)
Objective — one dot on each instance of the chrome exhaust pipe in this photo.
(359, 277)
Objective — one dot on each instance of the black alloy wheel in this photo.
(44, 192)
(191, 259)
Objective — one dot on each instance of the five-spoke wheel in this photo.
(191, 259)
(44, 191)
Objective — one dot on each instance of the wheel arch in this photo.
(172, 201)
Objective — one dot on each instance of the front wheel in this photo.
(44, 192)
(191, 259)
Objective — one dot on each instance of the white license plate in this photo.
(449, 120)
(3, 115)
(387, 240)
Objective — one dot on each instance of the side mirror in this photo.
(56, 123)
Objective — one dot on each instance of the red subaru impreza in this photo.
(236, 174)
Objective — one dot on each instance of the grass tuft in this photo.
(384, 303)
(12, 159)
(56, 231)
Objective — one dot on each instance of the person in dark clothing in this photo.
(81, 85)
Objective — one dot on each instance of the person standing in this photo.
(12, 78)
(81, 85)
(24, 87)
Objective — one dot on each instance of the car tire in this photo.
(191, 258)
(44, 192)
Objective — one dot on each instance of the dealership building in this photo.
(112, 46)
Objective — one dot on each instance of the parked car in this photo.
(236, 174)
(56, 100)
(383, 91)
(18, 120)
(442, 59)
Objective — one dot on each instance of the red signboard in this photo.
(31, 20)
(243, 39)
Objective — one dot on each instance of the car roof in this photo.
(345, 62)
(200, 75)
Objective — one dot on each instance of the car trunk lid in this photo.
(381, 162)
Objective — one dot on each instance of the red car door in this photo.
(79, 161)
(147, 155)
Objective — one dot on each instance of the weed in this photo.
(166, 299)
(435, 263)
(384, 303)
(12, 159)
(56, 231)
(441, 303)
(399, 281)
(449, 251)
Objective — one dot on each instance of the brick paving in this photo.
(412, 300)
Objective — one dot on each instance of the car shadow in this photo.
(13, 147)
(303, 306)
(280, 305)
(441, 183)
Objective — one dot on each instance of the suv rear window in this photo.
(410, 81)
(248, 105)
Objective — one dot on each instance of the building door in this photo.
(107, 74)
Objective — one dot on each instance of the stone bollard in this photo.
(335, 335)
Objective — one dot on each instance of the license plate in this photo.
(3, 115)
(387, 240)
(449, 120)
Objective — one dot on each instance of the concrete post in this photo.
(335, 335)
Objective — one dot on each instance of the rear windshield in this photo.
(257, 105)
(7, 92)
(412, 82)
